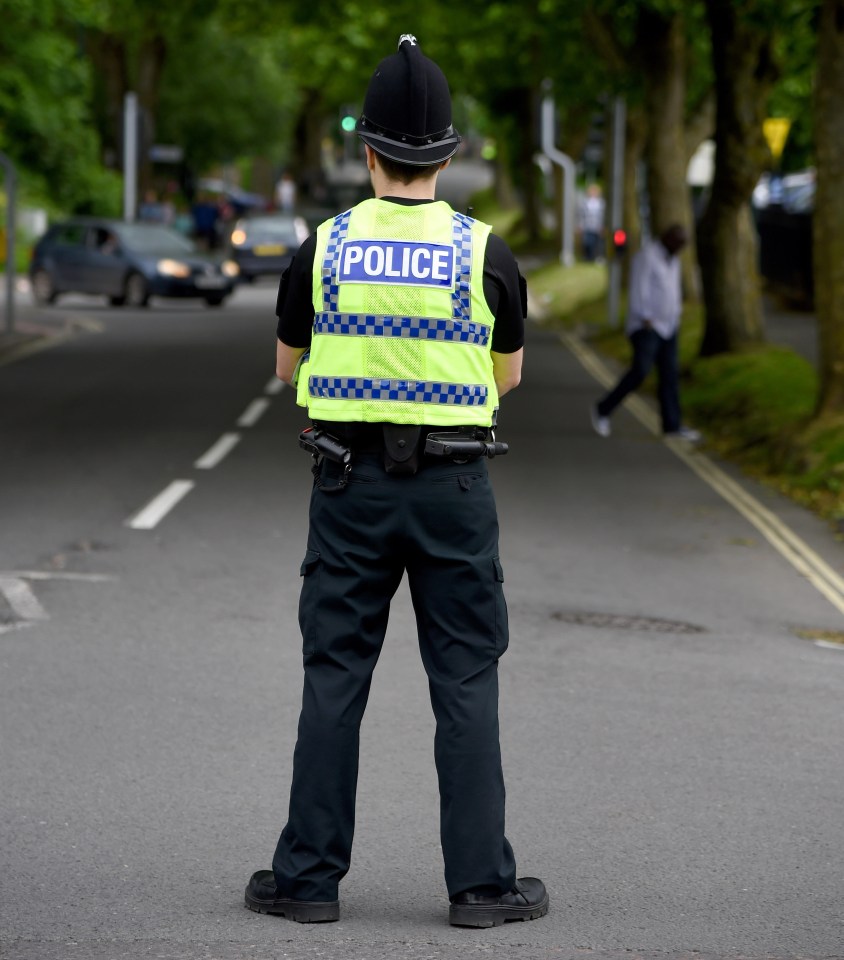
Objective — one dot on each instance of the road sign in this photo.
(776, 133)
(166, 153)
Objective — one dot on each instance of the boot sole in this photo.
(302, 911)
(465, 915)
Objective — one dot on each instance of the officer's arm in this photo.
(507, 370)
(286, 359)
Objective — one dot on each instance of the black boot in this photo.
(528, 900)
(263, 897)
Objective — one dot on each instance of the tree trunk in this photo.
(306, 161)
(528, 122)
(662, 49)
(151, 57)
(636, 132)
(108, 54)
(505, 192)
(744, 74)
(727, 252)
(828, 217)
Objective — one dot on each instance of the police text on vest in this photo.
(397, 261)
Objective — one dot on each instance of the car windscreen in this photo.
(271, 230)
(154, 241)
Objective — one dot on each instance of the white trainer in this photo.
(601, 425)
(687, 433)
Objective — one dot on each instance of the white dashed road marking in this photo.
(253, 413)
(155, 511)
(21, 599)
(160, 506)
(216, 453)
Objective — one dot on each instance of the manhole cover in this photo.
(615, 621)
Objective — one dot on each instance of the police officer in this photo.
(401, 322)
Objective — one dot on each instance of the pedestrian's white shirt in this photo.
(655, 290)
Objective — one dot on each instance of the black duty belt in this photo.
(402, 446)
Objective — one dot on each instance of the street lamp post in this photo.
(568, 167)
(11, 186)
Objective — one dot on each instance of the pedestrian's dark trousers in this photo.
(650, 348)
(439, 526)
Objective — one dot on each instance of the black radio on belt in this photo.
(320, 444)
(462, 446)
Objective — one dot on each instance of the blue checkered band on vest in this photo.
(412, 391)
(461, 299)
(330, 288)
(416, 328)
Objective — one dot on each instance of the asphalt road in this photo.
(672, 747)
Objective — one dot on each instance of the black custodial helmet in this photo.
(407, 110)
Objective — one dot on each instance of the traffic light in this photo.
(619, 242)
(347, 119)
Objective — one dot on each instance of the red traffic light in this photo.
(619, 239)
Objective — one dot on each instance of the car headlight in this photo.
(173, 268)
(238, 237)
(230, 268)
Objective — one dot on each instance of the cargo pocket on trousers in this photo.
(502, 629)
(309, 600)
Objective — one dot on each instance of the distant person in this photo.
(591, 223)
(205, 215)
(151, 210)
(285, 193)
(653, 320)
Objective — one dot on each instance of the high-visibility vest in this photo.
(402, 332)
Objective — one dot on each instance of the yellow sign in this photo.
(776, 133)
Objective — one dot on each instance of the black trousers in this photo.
(650, 348)
(440, 526)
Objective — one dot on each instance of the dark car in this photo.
(127, 262)
(266, 243)
(782, 209)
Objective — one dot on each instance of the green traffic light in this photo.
(348, 124)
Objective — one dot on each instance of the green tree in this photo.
(128, 42)
(46, 125)
(227, 95)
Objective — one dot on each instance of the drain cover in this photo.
(615, 621)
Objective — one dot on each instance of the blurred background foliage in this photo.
(224, 80)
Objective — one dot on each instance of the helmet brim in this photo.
(422, 155)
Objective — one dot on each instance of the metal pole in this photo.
(619, 120)
(130, 156)
(11, 186)
(567, 164)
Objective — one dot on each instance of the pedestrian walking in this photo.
(401, 322)
(590, 216)
(285, 193)
(653, 320)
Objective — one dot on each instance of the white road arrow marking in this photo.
(23, 602)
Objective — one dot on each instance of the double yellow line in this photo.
(795, 550)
